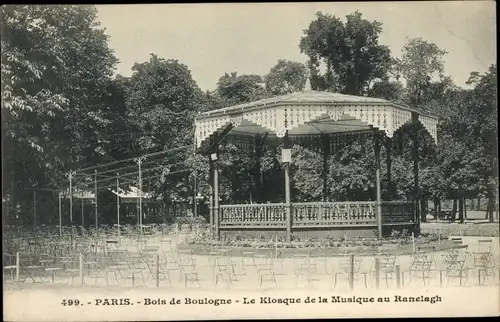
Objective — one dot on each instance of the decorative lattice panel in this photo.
(282, 118)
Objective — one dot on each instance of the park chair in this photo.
(149, 260)
(166, 244)
(345, 269)
(456, 265)
(265, 274)
(262, 259)
(422, 264)
(321, 264)
(212, 256)
(278, 265)
(484, 265)
(90, 262)
(133, 274)
(485, 246)
(189, 273)
(9, 262)
(29, 267)
(185, 254)
(303, 269)
(117, 264)
(223, 271)
(169, 265)
(387, 266)
(248, 258)
(164, 271)
(238, 266)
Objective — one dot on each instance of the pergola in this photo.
(332, 119)
(128, 199)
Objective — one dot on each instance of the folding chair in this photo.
(238, 266)
(265, 274)
(28, 268)
(223, 272)
(421, 264)
(189, 274)
(484, 265)
(164, 270)
(9, 262)
(248, 258)
(387, 266)
(346, 270)
(455, 266)
(302, 270)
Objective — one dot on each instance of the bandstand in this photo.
(324, 120)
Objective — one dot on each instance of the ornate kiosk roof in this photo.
(311, 113)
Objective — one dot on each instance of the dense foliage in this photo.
(62, 109)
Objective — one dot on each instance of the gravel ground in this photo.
(246, 282)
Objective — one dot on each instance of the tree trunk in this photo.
(423, 209)
(489, 210)
(436, 201)
(461, 209)
(478, 203)
(439, 207)
(454, 210)
(491, 202)
(13, 201)
(465, 208)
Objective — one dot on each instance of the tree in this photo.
(421, 63)
(162, 100)
(55, 64)
(387, 89)
(286, 77)
(351, 52)
(234, 89)
(481, 132)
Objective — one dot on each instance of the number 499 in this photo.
(70, 303)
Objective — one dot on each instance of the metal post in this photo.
(18, 266)
(139, 191)
(398, 276)
(288, 202)
(211, 197)
(34, 210)
(216, 200)
(379, 194)
(326, 155)
(416, 190)
(351, 271)
(195, 201)
(118, 203)
(388, 161)
(83, 209)
(157, 270)
(60, 216)
(80, 257)
(95, 195)
(140, 194)
(71, 198)
(211, 210)
(377, 273)
(413, 241)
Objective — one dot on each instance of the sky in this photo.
(213, 39)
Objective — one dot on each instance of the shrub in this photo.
(190, 220)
